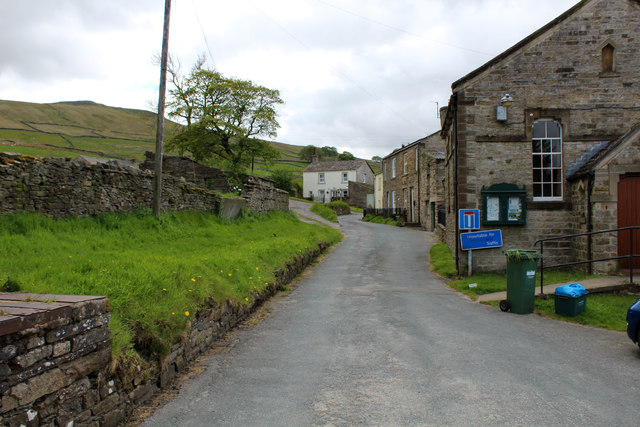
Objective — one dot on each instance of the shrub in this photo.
(324, 211)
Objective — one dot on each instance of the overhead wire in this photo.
(204, 36)
(335, 70)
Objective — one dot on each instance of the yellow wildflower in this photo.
(186, 313)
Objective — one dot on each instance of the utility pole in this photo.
(157, 181)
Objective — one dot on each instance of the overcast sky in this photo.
(360, 75)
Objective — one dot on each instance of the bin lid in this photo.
(572, 290)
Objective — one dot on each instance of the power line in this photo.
(204, 36)
(400, 30)
(335, 70)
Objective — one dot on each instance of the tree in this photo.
(328, 152)
(282, 179)
(223, 117)
(377, 159)
(346, 156)
(306, 153)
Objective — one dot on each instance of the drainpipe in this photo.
(454, 99)
(590, 182)
(419, 192)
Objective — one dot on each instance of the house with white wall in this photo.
(324, 180)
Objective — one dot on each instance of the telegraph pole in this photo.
(157, 182)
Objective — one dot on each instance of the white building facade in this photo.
(323, 181)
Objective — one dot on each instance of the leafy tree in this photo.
(282, 179)
(376, 159)
(223, 116)
(328, 152)
(306, 153)
(346, 156)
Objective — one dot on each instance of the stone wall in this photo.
(55, 357)
(358, 192)
(262, 195)
(201, 175)
(62, 188)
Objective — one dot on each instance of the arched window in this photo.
(547, 160)
(608, 59)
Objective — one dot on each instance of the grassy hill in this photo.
(69, 129)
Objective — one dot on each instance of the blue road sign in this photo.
(481, 240)
(469, 219)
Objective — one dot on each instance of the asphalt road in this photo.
(372, 337)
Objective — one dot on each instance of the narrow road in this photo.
(372, 337)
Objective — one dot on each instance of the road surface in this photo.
(371, 337)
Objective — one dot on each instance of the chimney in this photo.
(314, 156)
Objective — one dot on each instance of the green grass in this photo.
(382, 220)
(442, 260)
(157, 273)
(324, 211)
(602, 311)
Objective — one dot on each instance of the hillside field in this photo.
(70, 129)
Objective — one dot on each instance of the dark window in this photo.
(608, 55)
(546, 147)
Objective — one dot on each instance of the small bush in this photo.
(10, 285)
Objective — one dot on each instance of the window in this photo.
(320, 177)
(608, 55)
(417, 154)
(345, 177)
(393, 199)
(384, 170)
(393, 167)
(404, 164)
(547, 160)
(345, 193)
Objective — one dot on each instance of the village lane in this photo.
(372, 337)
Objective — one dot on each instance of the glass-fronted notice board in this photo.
(504, 204)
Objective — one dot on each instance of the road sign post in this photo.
(485, 239)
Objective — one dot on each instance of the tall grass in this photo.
(156, 272)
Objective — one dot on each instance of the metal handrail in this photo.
(591, 261)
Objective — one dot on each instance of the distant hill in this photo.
(69, 129)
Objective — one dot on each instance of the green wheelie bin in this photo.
(521, 280)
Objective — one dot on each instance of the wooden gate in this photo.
(629, 215)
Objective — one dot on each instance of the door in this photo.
(629, 215)
(412, 205)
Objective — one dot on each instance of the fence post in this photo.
(541, 268)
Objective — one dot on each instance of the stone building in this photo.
(410, 178)
(326, 181)
(548, 158)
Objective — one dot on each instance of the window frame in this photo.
(393, 168)
(321, 178)
(547, 163)
(345, 177)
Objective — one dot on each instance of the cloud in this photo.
(363, 76)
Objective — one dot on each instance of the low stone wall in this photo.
(55, 358)
(54, 355)
(61, 188)
(262, 196)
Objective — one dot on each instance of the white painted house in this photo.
(324, 180)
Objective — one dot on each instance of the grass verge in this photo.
(324, 211)
(381, 220)
(156, 272)
(603, 310)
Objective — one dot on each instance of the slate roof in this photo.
(337, 166)
(588, 162)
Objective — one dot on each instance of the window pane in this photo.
(536, 146)
(546, 146)
(539, 130)
(546, 175)
(537, 161)
(546, 190)
(557, 175)
(537, 175)
(546, 161)
(553, 129)
(557, 190)
(556, 146)
(537, 190)
(557, 160)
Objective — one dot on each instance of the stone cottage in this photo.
(540, 138)
(324, 181)
(410, 179)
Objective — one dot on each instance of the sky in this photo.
(364, 76)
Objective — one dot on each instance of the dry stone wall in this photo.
(61, 188)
